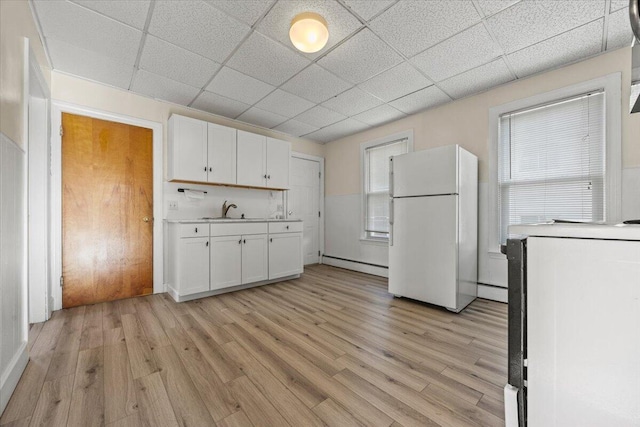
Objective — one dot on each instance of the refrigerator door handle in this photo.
(391, 221)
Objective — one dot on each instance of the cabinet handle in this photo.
(244, 241)
(271, 240)
(196, 229)
(287, 227)
(207, 244)
(210, 169)
(205, 168)
(268, 176)
(240, 241)
(265, 176)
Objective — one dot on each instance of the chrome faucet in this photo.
(226, 208)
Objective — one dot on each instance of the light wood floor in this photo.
(332, 347)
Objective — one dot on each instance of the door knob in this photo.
(290, 212)
(145, 219)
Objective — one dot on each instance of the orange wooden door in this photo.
(107, 210)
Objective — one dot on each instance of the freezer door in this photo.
(423, 258)
(426, 172)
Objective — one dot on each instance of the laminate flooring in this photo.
(330, 348)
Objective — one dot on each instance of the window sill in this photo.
(375, 242)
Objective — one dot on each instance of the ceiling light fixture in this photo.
(309, 32)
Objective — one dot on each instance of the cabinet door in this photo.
(278, 160)
(221, 154)
(285, 254)
(188, 149)
(226, 261)
(255, 258)
(251, 159)
(193, 265)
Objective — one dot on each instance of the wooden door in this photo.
(107, 211)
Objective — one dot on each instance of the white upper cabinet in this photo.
(221, 154)
(252, 159)
(187, 146)
(278, 159)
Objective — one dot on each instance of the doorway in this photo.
(107, 210)
(305, 201)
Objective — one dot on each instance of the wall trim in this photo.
(60, 107)
(321, 205)
(12, 374)
(362, 267)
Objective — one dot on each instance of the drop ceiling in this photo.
(385, 59)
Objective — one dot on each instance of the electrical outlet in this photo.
(173, 205)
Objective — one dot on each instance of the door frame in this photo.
(59, 107)
(320, 160)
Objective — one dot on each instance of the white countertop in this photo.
(579, 231)
(228, 220)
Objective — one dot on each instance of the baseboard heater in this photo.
(357, 262)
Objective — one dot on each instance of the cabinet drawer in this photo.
(285, 227)
(193, 230)
(238, 229)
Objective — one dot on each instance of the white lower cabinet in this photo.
(285, 254)
(192, 266)
(226, 261)
(255, 258)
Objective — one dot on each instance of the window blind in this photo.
(552, 162)
(376, 160)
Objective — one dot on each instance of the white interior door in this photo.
(304, 203)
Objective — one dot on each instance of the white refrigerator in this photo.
(433, 217)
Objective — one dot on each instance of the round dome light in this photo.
(309, 32)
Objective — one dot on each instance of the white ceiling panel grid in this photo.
(530, 22)
(235, 85)
(267, 60)
(316, 84)
(412, 26)
(384, 59)
(462, 52)
(395, 82)
(340, 22)
(220, 105)
(166, 59)
(197, 26)
(420, 100)
(160, 87)
(362, 56)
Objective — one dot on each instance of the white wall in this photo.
(466, 122)
(13, 306)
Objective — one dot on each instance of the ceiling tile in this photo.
(65, 57)
(367, 9)
(619, 32)
(530, 22)
(316, 84)
(233, 84)
(163, 88)
(379, 115)
(295, 128)
(395, 82)
(276, 24)
(320, 116)
(618, 4)
(352, 102)
(285, 104)
(198, 27)
(132, 13)
(421, 100)
(267, 60)
(490, 7)
(88, 30)
(258, 117)
(478, 79)
(462, 52)
(361, 57)
(568, 47)
(165, 59)
(247, 11)
(218, 104)
(337, 130)
(412, 26)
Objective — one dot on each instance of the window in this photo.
(556, 155)
(375, 162)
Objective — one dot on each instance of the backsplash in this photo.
(251, 202)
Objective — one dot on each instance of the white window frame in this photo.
(408, 134)
(611, 84)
